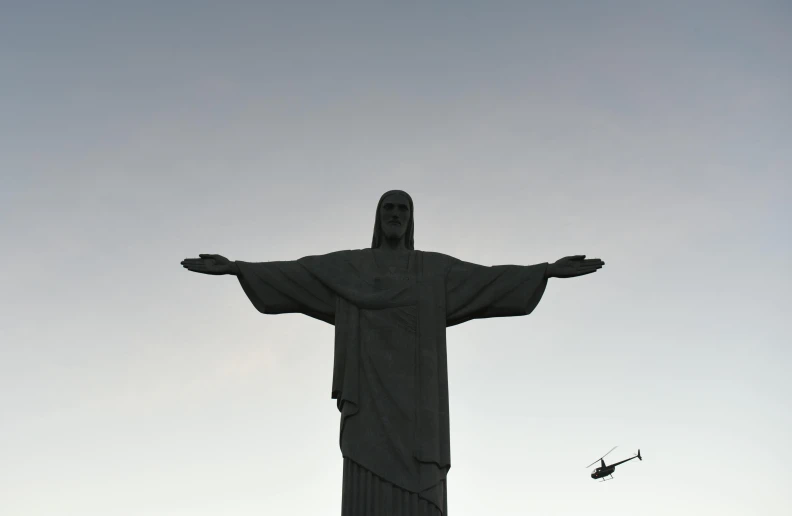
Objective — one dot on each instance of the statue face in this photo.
(394, 216)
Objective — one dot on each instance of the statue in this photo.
(390, 305)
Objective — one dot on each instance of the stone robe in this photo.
(390, 375)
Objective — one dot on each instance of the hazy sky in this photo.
(654, 135)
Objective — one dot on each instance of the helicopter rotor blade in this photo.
(602, 457)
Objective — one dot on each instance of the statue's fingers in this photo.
(199, 264)
(593, 262)
(585, 271)
(578, 257)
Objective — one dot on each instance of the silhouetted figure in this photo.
(390, 305)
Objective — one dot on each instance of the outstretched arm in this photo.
(273, 287)
(479, 292)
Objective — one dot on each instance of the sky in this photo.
(654, 135)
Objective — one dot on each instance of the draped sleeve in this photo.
(287, 287)
(478, 292)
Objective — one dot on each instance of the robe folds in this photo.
(390, 378)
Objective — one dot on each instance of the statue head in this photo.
(394, 220)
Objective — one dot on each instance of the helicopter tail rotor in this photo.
(639, 454)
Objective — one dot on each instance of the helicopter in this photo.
(604, 471)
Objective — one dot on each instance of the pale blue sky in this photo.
(655, 135)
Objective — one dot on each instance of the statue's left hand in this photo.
(573, 266)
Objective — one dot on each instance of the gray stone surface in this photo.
(390, 305)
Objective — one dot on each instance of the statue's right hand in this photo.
(208, 264)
